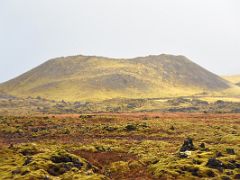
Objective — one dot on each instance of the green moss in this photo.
(180, 168)
(38, 174)
(10, 130)
(193, 166)
(152, 147)
(88, 148)
(150, 151)
(83, 176)
(110, 128)
(135, 165)
(27, 149)
(99, 147)
(230, 139)
(119, 166)
(9, 162)
(42, 164)
(130, 127)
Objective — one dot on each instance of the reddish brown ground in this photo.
(150, 114)
(107, 119)
(101, 160)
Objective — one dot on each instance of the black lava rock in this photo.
(187, 145)
(219, 154)
(237, 176)
(215, 164)
(202, 145)
(27, 161)
(230, 151)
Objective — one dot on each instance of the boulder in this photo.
(202, 145)
(230, 151)
(237, 176)
(215, 164)
(219, 154)
(187, 145)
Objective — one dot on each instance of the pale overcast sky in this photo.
(33, 31)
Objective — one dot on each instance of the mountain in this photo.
(235, 79)
(90, 78)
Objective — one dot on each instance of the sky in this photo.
(31, 32)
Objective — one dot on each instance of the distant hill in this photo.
(235, 79)
(89, 78)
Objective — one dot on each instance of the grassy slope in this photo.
(233, 79)
(97, 78)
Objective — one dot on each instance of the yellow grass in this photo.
(233, 79)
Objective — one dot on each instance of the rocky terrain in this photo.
(120, 146)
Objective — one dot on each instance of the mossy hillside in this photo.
(73, 78)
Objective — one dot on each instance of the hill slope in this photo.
(97, 78)
(235, 79)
